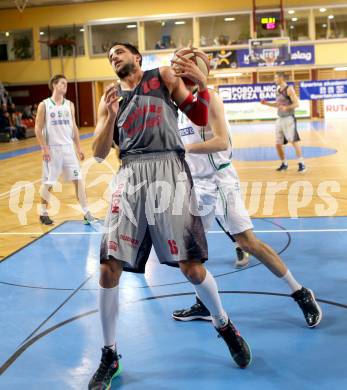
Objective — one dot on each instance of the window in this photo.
(296, 22)
(232, 78)
(302, 75)
(62, 41)
(268, 77)
(224, 30)
(16, 45)
(167, 34)
(331, 23)
(103, 35)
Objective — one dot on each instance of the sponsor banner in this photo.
(219, 59)
(299, 55)
(246, 93)
(335, 109)
(323, 89)
(222, 59)
(256, 111)
(231, 59)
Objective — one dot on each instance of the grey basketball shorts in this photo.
(153, 203)
(286, 130)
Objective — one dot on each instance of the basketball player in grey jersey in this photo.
(141, 118)
(286, 129)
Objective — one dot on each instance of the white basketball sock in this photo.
(43, 209)
(108, 306)
(291, 281)
(82, 196)
(207, 292)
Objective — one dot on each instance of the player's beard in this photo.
(126, 70)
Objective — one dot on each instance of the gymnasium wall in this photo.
(97, 68)
(24, 95)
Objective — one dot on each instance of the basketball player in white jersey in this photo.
(286, 129)
(57, 132)
(205, 165)
(208, 154)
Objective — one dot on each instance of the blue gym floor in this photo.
(51, 336)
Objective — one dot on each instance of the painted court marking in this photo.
(16, 189)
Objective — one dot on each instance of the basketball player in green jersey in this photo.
(57, 133)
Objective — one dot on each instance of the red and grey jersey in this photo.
(147, 118)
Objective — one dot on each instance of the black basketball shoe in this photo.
(238, 347)
(109, 368)
(301, 167)
(282, 167)
(45, 220)
(197, 312)
(307, 302)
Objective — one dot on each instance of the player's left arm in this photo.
(293, 98)
(220, 140)
(76, 134)
(195, 109)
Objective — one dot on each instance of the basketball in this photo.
(199, 57)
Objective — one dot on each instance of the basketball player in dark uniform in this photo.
(286, 129)
(153, 202)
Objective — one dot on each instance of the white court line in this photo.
(16, 189)
(52, 233)
(293, 231)
(211, 232)
(276, 174)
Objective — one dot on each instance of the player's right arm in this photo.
(195, 109)
(39, 125)
(107, 113)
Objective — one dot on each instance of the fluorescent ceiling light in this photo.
(131, 25)
(291, 27)
(341, 68)
(291, 12)
(42, 33)
(7, 33)
(324, 25)
(331, 16)
(322, 9)
(229, 19)
(180, 22)
(81, 29)
(294, 19)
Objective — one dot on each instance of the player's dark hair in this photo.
(54, 80)
(129, 46)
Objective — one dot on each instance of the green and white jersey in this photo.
(58, 129)
(202, 165)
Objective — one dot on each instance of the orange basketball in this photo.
(199, 57)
